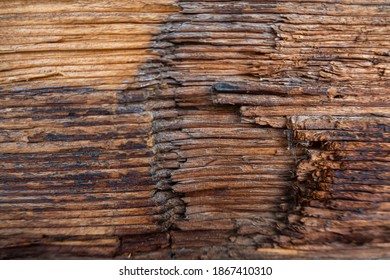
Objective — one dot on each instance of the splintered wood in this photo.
(195, 129)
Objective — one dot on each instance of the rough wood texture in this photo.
(196, 129)
(75, 126)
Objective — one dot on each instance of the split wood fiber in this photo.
(197, 129)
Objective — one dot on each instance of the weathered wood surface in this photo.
(75, 136)
(194, 129)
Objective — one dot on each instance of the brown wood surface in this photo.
(195, 129)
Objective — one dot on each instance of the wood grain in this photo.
(75, 129)
(198, 129)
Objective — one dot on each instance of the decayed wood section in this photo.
(194, 129)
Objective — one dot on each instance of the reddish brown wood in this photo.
(194, 129)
